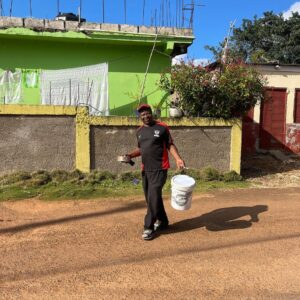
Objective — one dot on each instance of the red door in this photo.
(297, 107)
(272, 120)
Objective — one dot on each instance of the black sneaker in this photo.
(148, 234)
(159, 225)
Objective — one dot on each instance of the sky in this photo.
(212, 18)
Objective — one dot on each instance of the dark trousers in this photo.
(153, 182)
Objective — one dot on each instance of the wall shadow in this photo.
(221, 219)
(265, 163)
(30, 226)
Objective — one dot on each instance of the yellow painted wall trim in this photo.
(18, 109)
(188, 122)
(236, 147)
(83, 140)
(114, 121)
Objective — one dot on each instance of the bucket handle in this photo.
(181, 172)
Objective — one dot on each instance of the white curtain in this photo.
(77, 86)
(10, 87)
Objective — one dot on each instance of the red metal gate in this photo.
(272, 119)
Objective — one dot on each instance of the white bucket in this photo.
(182, 188)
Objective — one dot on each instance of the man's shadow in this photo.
(221, 219)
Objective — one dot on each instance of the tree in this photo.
(268, 39)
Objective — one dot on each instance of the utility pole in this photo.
(79, 11)
(125, 4)
(58, 9)
(225, 49)
(11, 7)
(144, 12)
(30, 8)
(1, 8)
(103, 11)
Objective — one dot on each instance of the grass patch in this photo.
(60, 184)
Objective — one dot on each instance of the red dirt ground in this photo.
(239, 244)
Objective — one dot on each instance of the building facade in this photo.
(135, 57)
(275, 124)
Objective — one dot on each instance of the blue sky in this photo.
(211, 21)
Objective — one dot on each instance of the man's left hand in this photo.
(180, 164)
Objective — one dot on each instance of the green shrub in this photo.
(15, 177)
(129, 176)
(39, 178)
(99, 176)
(196, 174)
(232, 176)
(77, 174)
(60, 175)
(211, 174)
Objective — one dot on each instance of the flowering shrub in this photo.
(227, 92)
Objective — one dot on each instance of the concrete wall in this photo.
(61, 25)
(107, 142)
(37, 143)
(60, 137)
(199, 147)
(204, 146)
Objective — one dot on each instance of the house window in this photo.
(297, 106)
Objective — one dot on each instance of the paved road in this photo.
(241, 244)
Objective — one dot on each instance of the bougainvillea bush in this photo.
(228, 91)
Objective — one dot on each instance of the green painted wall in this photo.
(127, 65)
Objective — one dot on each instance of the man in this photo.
(154, 142)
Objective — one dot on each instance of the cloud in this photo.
(179, 58)
(184, 58)
(294, 8)
(201, 61)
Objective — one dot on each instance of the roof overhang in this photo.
(173, 41)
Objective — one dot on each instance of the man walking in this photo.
(154, 142)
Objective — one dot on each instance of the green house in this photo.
(131, 58)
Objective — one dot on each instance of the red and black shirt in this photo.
(154, 142)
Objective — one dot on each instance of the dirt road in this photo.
(241, 244)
